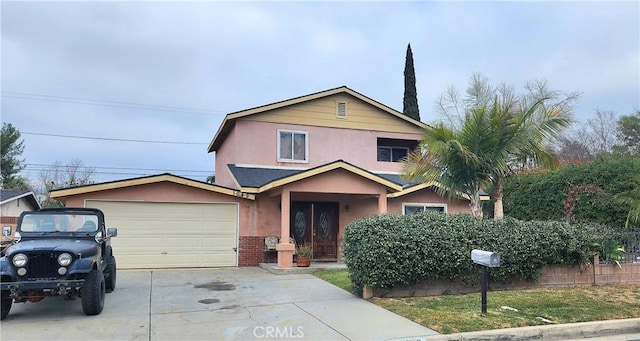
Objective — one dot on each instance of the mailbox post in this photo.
(488, 260)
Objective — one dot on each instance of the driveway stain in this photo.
(209, 301)
(216, 286)
(230, 307)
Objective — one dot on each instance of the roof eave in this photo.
(61, 193)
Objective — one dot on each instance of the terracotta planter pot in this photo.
(303, 262)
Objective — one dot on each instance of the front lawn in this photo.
(461, 313)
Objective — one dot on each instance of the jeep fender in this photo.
(82, 265)
(6, 269)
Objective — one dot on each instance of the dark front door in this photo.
(316, 224)
(325, 230)
(300, 224)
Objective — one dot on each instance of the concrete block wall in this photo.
(595, 274)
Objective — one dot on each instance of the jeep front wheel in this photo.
(93, 293)
(110, 274)
(7, 301)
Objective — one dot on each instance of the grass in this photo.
(339, 278)
(461, 313)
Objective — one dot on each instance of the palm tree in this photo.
(631, 198)
(520, 131)
(487, 146)
(449, 158)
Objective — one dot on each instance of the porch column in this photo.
(285, 248)
(382, 203)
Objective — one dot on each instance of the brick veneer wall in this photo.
(250, 250)
(549, 276)
(8, 220)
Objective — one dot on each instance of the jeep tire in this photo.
(93, 293)
(6, 303)
(110, 274)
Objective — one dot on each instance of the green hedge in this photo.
(385, 251)
(542, 196)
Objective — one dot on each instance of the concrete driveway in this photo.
(212, 304)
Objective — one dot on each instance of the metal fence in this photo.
(621, 247)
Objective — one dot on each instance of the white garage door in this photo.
(171, 235)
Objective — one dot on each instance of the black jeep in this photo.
(59, 252)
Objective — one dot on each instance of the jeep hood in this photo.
(83, 247)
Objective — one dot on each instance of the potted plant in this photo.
(304, 254)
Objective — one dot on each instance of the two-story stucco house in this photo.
(303, 168)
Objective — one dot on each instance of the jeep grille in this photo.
(42, 265)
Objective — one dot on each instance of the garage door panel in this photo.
(161, 235)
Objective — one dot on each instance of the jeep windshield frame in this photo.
(53, 221)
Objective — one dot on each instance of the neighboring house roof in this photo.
(7, 195)
(165, 177)
(229, 120)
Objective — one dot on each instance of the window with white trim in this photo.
(411, 208)
(293, 146)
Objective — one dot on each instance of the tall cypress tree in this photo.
(410, 101)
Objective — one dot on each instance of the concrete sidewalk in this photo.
(613, 330)
(212, 304)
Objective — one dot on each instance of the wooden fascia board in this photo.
(320, 170)
(385, 108)
(421, 187)
(146, 181)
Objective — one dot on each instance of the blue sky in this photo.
(170, 71)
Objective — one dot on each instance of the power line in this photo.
(106, 103)
(42, 165)
(111, 139)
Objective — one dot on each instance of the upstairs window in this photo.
(392, 154)
(394, 150)
(292, 146)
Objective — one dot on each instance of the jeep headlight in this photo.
(64, 259)
(20, 260)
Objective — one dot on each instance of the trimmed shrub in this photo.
(542, 196)
(385, 251)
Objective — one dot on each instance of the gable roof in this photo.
(7, 195)
(165, 177)
(259, 179)
(252, 179)
(230, 119)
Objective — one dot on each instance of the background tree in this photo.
(512, 131)
(599, 136)
(59, 176)
(629, 134)
(10, 164)
(410, 100)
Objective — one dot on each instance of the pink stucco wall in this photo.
(255, 143)
(428, 196)
(163, 192)
(357, 198)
